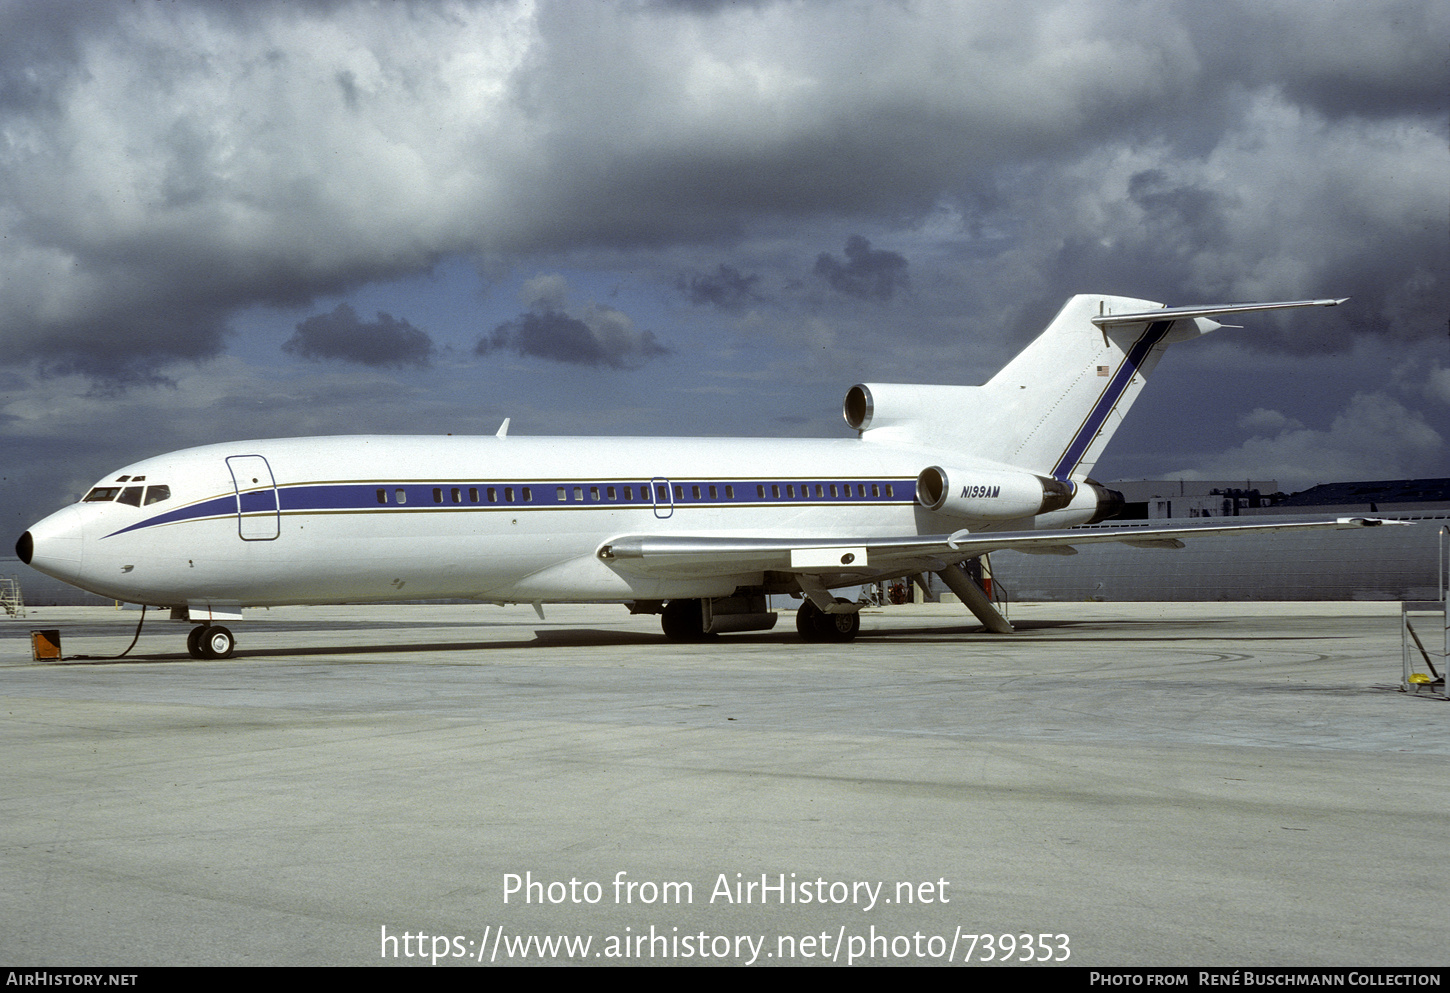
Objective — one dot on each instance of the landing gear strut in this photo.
(683, 620)
(814, 624)
(210, 642)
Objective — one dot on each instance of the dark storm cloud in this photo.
(387, 341)
(725, 289)
(1178, 208)
(867, 273)
(1373, 59)
(594, 335)
(165, 165)
(561, 338)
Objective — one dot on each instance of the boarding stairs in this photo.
(11, 601)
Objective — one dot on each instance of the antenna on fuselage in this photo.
(503, 429)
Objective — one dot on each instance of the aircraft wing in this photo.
(842, 561)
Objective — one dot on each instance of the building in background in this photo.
(1389, 563)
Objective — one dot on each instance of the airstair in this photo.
(1412, 681)
(11, 600)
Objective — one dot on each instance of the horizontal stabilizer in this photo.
(1184, 313)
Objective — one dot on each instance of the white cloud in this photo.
(1261, 421)
(1374, 437)
(1437, 386)
(190, 158)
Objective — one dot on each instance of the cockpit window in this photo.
(130, 495)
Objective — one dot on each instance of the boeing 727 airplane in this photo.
(699, 530)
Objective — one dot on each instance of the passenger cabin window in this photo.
(382, 496)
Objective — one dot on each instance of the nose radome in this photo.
(53, 546)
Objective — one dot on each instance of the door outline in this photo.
(259, 511)
(657, 484)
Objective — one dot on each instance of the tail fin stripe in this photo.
(1116, 387)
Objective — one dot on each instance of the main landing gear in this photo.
(683, 620)
(698, 620)
(210, 642)
(814, 624)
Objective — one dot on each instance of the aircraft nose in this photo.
(53, 546)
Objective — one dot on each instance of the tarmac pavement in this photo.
(1122, 784)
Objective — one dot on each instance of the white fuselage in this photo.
(373, 518)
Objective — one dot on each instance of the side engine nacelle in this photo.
(991, 494)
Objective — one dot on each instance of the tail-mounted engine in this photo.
(1094, 502)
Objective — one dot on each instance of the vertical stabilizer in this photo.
(1051, 410)
(1055, 406)
(1060, 400)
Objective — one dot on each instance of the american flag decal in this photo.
(1102, 370)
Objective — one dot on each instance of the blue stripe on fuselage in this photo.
(301, 498)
